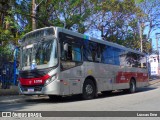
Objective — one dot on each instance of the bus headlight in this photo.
(51, 79)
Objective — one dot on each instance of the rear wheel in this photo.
(89, 90)
(132, 88)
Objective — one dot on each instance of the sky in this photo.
(153, 37)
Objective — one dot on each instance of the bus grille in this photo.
(36, 88)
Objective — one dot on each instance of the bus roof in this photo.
(98, 40)
(59, 29)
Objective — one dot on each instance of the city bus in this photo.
(58, 62)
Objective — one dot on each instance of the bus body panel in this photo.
(72, 78)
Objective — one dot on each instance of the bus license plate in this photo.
(30, 89)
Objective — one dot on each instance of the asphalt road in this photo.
(146, 99)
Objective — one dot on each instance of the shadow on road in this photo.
(76, 98)
(29, 102)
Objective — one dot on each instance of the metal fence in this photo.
(7, 75)
(8, 69)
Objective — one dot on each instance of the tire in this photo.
(132, 88)
(89, 90)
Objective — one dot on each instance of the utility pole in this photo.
(140, 35)
(157, 42)
(157, 38)
(34, 12)
(140, 24)
(33, 15)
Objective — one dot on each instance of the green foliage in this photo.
(8, 30)
(63, 13)
(117, 20)
(139, 1)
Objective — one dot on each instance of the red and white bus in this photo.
(58, 62)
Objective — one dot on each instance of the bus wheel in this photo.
(132, 88)
(54, 97)
(89, 90)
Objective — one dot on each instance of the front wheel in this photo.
(89, 90)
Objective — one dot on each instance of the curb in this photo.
(12, 91)
(14, 98)
(152, 82)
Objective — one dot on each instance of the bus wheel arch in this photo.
(89, 88)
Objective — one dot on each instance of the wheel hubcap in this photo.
(89, 89)
(133, 87)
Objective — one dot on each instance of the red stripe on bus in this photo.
(34, 81)
(124, 77)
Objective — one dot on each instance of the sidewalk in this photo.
(151, 82)
(14, 89)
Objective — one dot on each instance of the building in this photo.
(154, 66)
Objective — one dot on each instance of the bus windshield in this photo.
(39, 55)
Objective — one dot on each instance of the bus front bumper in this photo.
(52, 88)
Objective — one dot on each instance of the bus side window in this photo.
(98, 56)
(108, 55)
(73, 53)
(69, 53)
(94, 52)
(76, 53)
(91, 52)
(116, 56)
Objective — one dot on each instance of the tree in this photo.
(69, 14)
(8, 30)
(118, 22)
(115, 19)
(151, 10)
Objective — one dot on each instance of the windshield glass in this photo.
(42, 54)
